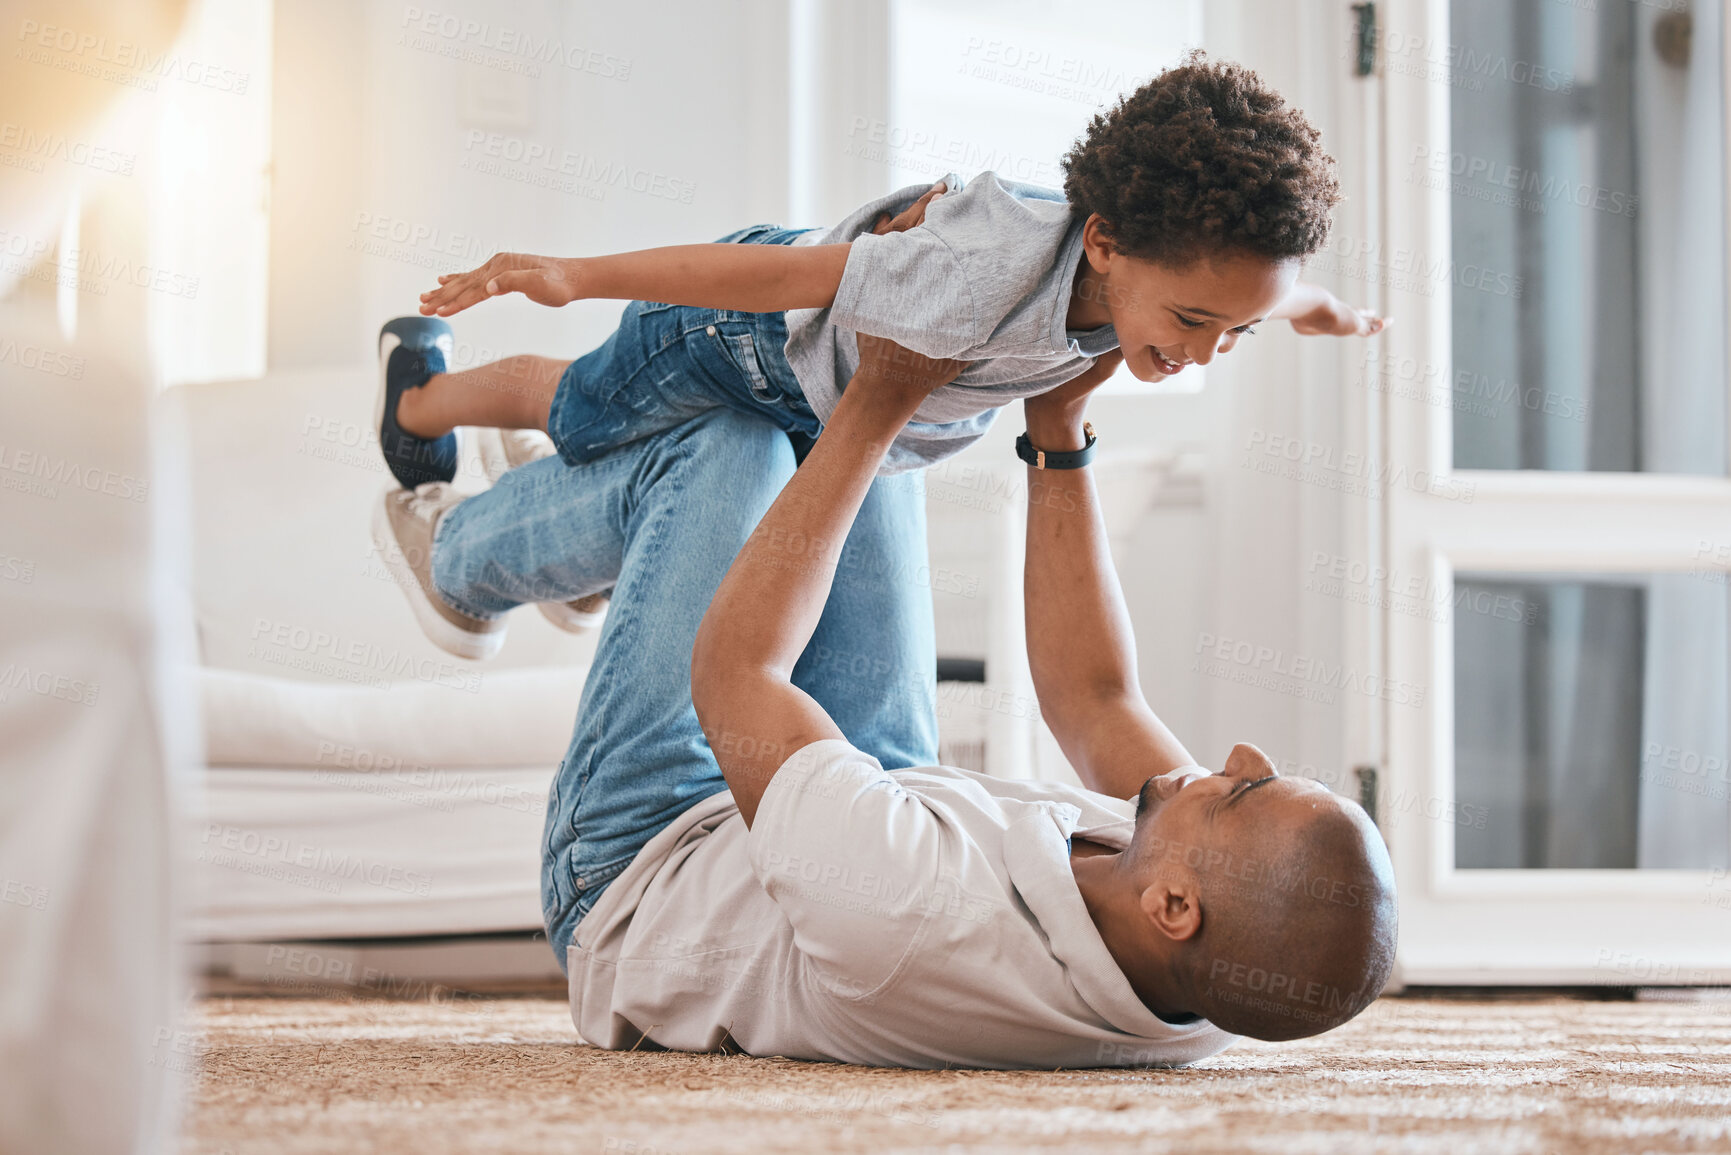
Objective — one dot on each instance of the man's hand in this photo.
(890, 370)
(1077, 388)
(911, 217)
(1055, 417)
(547, 281)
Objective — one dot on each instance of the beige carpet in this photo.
(504, 1075)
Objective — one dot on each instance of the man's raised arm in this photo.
(769, 603)
(1080, 648)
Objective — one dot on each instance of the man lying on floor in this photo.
(818, 906)
(933, 916)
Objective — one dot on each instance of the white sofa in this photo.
(361, 783)
(334, 811)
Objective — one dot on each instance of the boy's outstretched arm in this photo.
(750, 278)
(763, 615)
(1313, 310)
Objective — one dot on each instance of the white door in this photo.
(1557, 513)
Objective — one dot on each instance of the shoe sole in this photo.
(570, 620)
(385, 351)
(458, 642)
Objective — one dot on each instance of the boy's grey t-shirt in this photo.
(987, 279)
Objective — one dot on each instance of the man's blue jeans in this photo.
(659, 520)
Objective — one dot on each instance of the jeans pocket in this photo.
(590, 881)
(741, 350)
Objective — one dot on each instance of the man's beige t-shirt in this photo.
(916, 918)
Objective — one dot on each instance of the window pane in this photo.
(1591, 721)
(1011, 93)
(1586, 174)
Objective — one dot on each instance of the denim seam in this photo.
(596, 880)
(640, 372)
(653, 544)
(790, 405)
(569, 896)
(559, 428)
(433, 571)
(757, 382)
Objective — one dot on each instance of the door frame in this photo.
(1515, 927)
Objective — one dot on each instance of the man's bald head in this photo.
(1293, 927)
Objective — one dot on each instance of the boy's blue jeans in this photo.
(658, 517)
(665, 364)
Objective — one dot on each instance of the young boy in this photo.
(1186, 213)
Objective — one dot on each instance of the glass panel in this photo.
(1587, 177)
(1591, 721)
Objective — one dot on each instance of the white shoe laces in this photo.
(525, 445)
(429, 500)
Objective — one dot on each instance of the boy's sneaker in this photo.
(502, 450)
(412, 349)
(505, 449)
(403, 527)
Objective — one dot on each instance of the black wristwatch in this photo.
(1047, 459)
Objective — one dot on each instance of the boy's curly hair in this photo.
(1204, 157)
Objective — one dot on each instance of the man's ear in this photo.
(1173, 906)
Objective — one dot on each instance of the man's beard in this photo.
(1144, 796)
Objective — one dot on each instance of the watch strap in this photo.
(1057, 459)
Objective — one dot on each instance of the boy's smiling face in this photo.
(1168, 318)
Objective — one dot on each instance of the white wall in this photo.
(375, 125)
(386, 114)
(1205, 547)
(670, 123)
